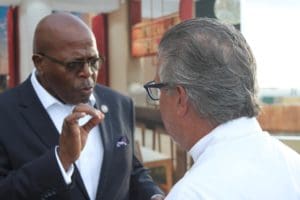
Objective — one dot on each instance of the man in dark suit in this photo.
(54, 142)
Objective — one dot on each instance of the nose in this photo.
(86, 71)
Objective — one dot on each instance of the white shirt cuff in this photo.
(66, 174)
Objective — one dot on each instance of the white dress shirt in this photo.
(90, 160)
(236, 161)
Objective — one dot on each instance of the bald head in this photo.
(57, 29)
(62, 45)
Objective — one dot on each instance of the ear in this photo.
(182, 101)
(38, 62)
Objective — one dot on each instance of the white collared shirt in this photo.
(90, 160)
(237, 161)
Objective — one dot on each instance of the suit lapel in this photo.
(107, 141)
(79, 182)
(38, 119)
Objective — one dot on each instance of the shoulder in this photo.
(24, 86)
(14, 95)
(10, 95)
(186, 189)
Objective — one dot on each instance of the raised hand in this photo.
(73, 137)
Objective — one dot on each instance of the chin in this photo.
(85, 100)
(76, 101)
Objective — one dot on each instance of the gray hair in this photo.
(215, 65)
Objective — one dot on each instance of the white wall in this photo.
(30, 13)
(119, 54)
(124, 70)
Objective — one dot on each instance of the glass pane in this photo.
(155, 92)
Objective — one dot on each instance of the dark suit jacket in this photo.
(28, 167)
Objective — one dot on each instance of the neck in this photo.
(195, 128)
(43, 83)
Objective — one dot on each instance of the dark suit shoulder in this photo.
(13, 96)
(9, 96)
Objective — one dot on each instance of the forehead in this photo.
(74, 37)
(75, 46)
(63, 32)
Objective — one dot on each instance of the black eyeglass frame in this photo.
(68, 65)
(152, 84)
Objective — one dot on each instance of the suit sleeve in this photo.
(142, 186)
(38, 179)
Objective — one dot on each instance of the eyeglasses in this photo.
(153, 89)
(77, 65)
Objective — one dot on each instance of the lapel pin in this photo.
(104, 108)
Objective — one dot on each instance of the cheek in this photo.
(170, 126)
(169, 118)
(95, 74)
(94, 77)
(61, 83)
(166, 115)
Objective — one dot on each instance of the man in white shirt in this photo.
(206, 86)
(54, 141)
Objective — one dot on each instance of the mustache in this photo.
(87, 84)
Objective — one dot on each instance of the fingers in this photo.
(96, 116)
(84, 108)
(93, 122)
(73, 136)
(74, 117)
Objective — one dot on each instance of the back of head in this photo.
(214, 63)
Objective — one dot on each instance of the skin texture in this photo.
(73, 137)
(211, 65)
(181, 120)
(66, 38)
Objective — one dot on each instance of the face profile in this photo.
(206, 86)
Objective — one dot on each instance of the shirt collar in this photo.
(45, 97)
(226, 131)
